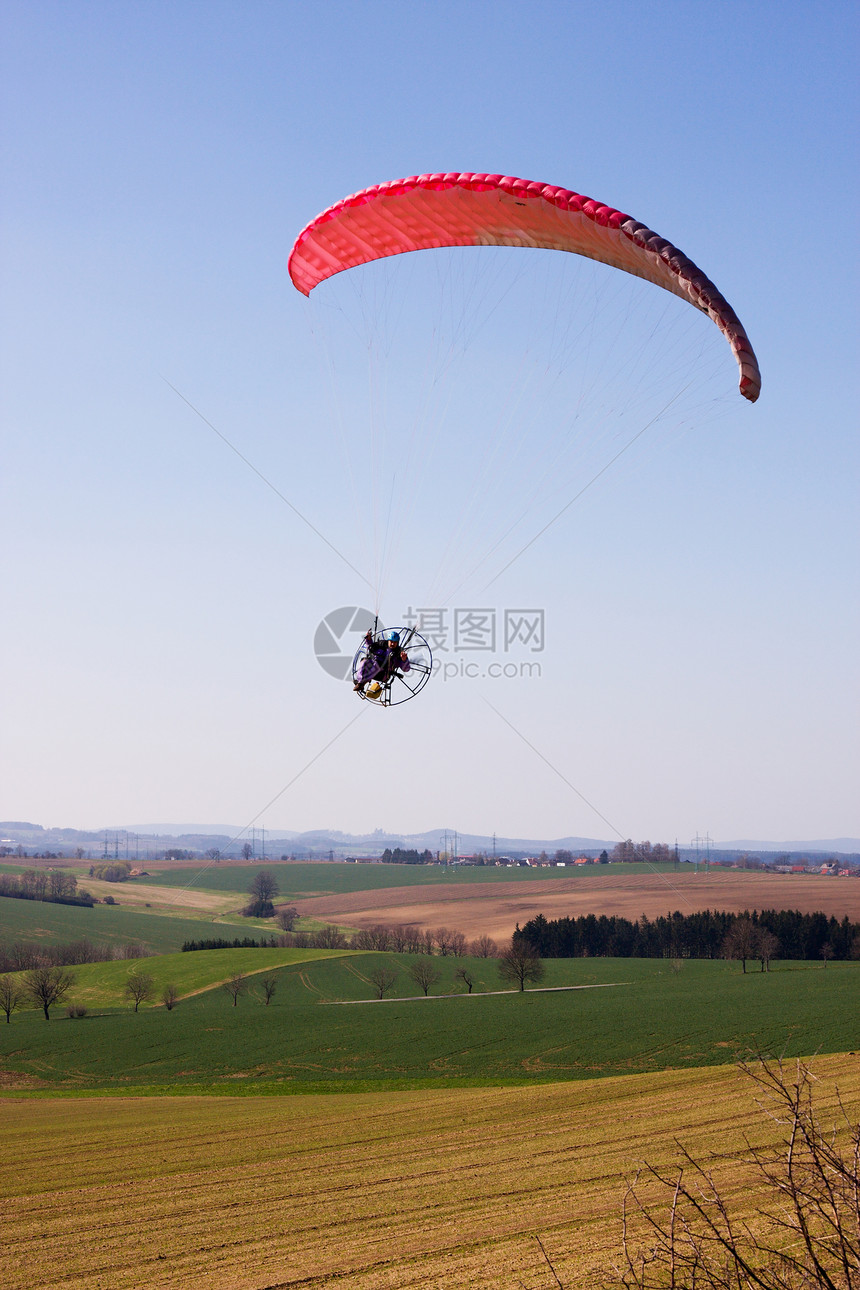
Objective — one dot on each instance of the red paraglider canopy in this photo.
(427, 211)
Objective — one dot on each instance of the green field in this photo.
(649, 1018)
(102, 985)
(437, 1136)
(37, 920)
(297, 880)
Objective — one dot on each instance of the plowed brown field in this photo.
(385, 1191)
(496, 908)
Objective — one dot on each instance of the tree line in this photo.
(243, 943)
(400, 855)
(22, 956)
(397, 939)
(707, 934)
(630, 852)
(52, 885)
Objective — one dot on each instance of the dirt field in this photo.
(386, 1191)
(496, 908)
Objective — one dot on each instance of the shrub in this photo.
(808, 1231)
(259, 909)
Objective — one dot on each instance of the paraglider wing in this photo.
(427, 211)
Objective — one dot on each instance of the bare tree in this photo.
(768, 946)
(425, 974)
(47, 986)
(327, 937)
(807, 1232)
(400, 939)
(376, 937)
(170, 997)
(414, 940)
(286, 917)
(826, 952)
(139, 987)
(263, 885)
(458, 944)
(235, 985)
(484, 948)
(382, 979)
(520, 963)
(464, 975)
(443, 936)
(11, 995)
(295, 941)
(428, 941)
(269, 985)
(129, 950)
(247, 851)
(741, 941)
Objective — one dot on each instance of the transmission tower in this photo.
(699, 842)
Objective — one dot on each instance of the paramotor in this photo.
(392, 666)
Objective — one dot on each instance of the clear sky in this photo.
(159, 601)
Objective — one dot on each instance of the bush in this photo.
(76, 1010)
(259, 909)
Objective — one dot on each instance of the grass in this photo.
(297, 880)
(379, 1191)
(36, 920)
(650, 1019)
(102, 985)
(445, 1135)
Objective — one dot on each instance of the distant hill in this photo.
(839, 845)
(322, 843)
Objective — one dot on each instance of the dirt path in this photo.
(480, 994)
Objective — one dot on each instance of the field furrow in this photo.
(438, 1188)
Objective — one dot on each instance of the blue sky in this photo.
(160, 602)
